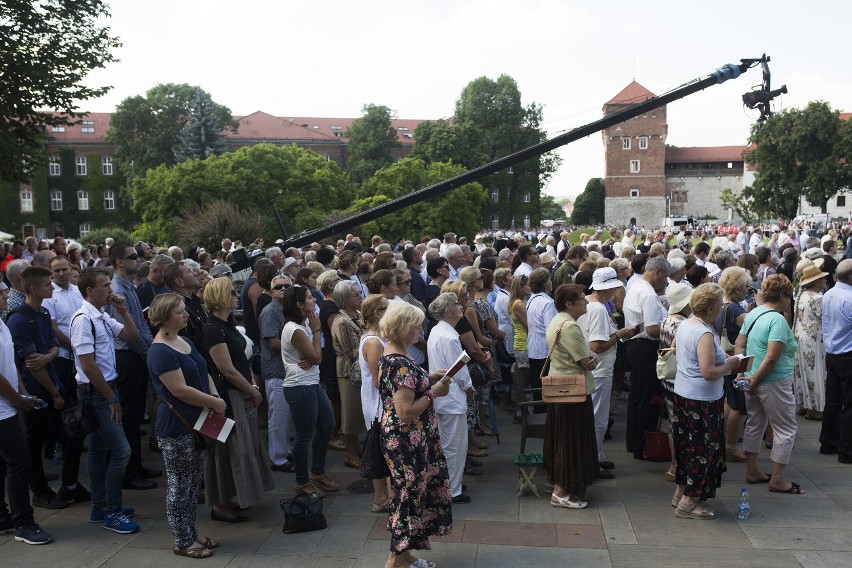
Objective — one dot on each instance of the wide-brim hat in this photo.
(605, 279)
(545, 258)
(678, 296)
(810, 274)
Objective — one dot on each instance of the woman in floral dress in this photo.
(420, 486)
(809, 369)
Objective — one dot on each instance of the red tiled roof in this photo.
(845, 115)
(632, 93)
(75, 133)
(705, 154)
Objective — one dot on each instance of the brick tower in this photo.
(635, 178)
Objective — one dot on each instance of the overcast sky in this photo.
(329, 58)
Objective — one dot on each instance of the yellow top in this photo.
(520, 343)
(572, 347)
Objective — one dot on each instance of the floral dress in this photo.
(809, 365)
(420, 485)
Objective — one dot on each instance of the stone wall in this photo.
(700, 196)
(649, 211)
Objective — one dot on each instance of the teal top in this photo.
(771, 327)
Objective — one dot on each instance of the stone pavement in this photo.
(629, 522)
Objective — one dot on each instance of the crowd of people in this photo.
(305, 348)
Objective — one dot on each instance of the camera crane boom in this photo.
(759, 98)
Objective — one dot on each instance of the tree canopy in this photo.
(550, 208)
(371, 139)
(589, 205)
(303, 185)
(146, 130)
(456, 210)
(201, 136)
(47, 47)
(799, 152)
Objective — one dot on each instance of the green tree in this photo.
(490, 122)
(146, 130)
(303, 185)
(550, 208)
(201, 136)
(99, 236)
(740, 203)
(457, 210)
(799, 152)
(205, 225)
(589, 206)
(371, 140)
(47, 47)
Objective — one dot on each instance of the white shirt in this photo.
(560, 246)
(540, 312)
(754, 242)
(454, 274)
(83, 343)
(597, 325)
(443, 348)
(7, 369)
(504, 320)
(370, 399)
(742, 243)
(294, 375)
(523, 269)
(642, 305)
(721, 242)
(62, 307)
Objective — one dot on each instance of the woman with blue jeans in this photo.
(309, 405)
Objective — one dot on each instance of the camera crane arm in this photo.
(724, 73)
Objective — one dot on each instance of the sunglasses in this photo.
(133, 256)
(281, 287)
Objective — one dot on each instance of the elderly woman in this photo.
(735, 282)
(236, 469)
(369, 352)
(766, 335)
(309, 405)
(698, 420)
(328, 311)
(444, 348)
(346, 336)
(183, 387)
(570, 452)
(603, 334)
(679, 310)
(809, 372)
(420, 487)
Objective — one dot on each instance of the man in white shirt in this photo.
(642, 307)
(455, 258)
(742, 241)
(563, 243)
(92, 334)
(443, 349)
(66, 300)
(529, 260)
(13, 444)
(755, 240)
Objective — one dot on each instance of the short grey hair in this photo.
(452, 251)
(344, 290)
(442, 304)
(658, 263)
(14, 270)
(434, 244)
(161, 260)
(430, 254)
(844, 271)
(723, 257)
(676, 264)
(273, 252)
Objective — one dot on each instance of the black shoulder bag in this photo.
(80, 418)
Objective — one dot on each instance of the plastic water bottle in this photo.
(745, 509)
(57, 452)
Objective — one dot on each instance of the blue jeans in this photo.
(109, 439)
(313, 418)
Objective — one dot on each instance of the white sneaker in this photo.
(567, 503)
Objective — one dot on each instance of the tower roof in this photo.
(632, 93)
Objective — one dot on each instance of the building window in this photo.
(56, 200)
(58, 230)
(495, 222)
(634, 192)
(625, 143)
(109, 200)
(54, 168)
(28, 230)
(527, 197)
(841, 201)
(106, 165)
(495, 195)
(82, 166)
(643, 142)
(527, 221)
(57, 129)
(634, 166)
(87, 129)
(85, 229)
(730, 165)
(26, 201)
(83, 200)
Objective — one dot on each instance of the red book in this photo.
(214, 426)
(460, 362)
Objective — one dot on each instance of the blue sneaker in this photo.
(116, 522)
(97, 516)
(31, 534)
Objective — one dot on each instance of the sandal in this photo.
(566, 502)
(337, 444)
(735, 456)
(308, 489)
(207, 542)
(764, 480)
(380, 507)
(202, 552)
(354, 463)
(670, 476)
(477, 453)
(696, 511)
(794, 489)
(676, 500)
(481, 445)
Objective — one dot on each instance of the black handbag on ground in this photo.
(302, 513)
(79, 419)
